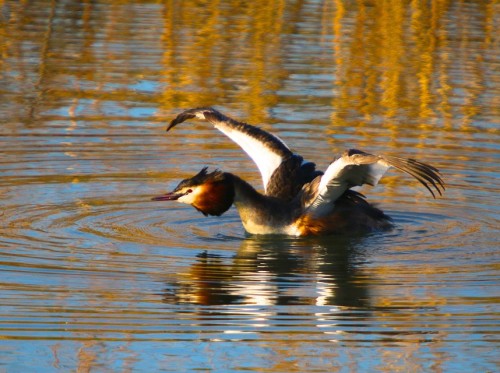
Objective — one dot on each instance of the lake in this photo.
(96, 277)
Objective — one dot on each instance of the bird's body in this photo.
(298, 199)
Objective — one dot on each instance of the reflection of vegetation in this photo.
(386, 58)
(226, 53)
(399, 58)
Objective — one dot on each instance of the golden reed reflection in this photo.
(394, 58)
(397, 61)
(220, 57)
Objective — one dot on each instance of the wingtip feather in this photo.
(199, 112)
(426, 174)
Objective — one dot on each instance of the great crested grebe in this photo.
(298, 199)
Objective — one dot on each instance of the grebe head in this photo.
(210, 193)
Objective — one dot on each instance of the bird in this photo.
(298, 199)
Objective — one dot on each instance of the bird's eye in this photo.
(189, 191)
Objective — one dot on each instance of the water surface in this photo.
(97, 277)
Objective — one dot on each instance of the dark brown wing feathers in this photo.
(424, 173)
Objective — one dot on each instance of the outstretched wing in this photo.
(355, 168)
(283, 173)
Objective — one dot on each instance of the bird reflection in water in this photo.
(276, 271)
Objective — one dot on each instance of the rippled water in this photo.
(97, 277)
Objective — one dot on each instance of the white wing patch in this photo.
(266, 150)
(266, 159)
(345, 173)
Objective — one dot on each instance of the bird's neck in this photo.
(260, 214)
